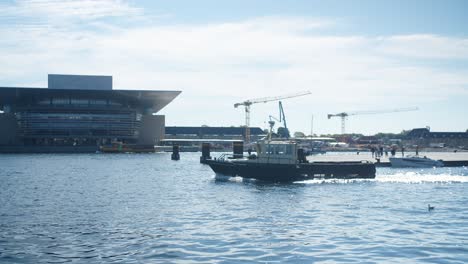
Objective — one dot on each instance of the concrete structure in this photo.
(78, 114)
(451, 159)
(79, 82)
(220, 138)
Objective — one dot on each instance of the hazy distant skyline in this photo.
(352, 56)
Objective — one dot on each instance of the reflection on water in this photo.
(147, 208)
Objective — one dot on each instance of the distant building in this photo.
(212, 132)
(426, 133)
(423, 136)
(78, 113)
(367, 140)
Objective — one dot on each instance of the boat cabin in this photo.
(276, 152)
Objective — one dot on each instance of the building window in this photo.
(114, 103)
(60, 101)
(44, 102)
(79, 101)
(97, 102)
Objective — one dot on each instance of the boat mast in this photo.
(272, 124)
(312, 126)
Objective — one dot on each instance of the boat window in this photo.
(259, 148)
(269, 149)
(289, 149)
(278, 149)
(281, 149)
(272, 149)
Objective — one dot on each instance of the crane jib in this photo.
(343, 115)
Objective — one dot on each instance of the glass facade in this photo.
(40, 123)
(77, 119)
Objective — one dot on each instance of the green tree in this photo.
(299, 134)
(283, 132)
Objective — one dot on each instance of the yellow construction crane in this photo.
(344, 115)
(250, 102)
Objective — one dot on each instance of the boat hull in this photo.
(294, 172)
(415, 163)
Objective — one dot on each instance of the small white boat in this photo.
(415, 162)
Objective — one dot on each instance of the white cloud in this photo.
(424, 46)
(216, 65)
(54, 10)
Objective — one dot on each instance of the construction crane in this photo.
(250, 102)
(282, 119)
(344, 115)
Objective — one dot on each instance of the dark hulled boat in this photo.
(279, 161)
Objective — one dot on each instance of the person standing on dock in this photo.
(402, 151)
(417, 150)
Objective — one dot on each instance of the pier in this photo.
(450, 159)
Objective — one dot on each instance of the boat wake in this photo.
(224, 178)
(410, 176)
(414, 177)
(400, 177)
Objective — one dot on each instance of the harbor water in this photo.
(145, 208)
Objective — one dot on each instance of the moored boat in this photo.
(415, 162)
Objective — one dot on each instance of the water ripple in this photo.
(134, 208)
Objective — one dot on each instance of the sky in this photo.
(351, 55)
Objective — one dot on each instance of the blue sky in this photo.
(367, 17)
(352, 56)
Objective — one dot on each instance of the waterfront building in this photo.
(426, 137)
(234, 133)
(79, 113)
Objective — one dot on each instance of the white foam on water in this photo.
(399, 177)
(226, 178)
(415, 177)
(337, 181)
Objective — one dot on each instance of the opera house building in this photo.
(78, 113)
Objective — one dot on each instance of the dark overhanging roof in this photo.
(155, 99)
